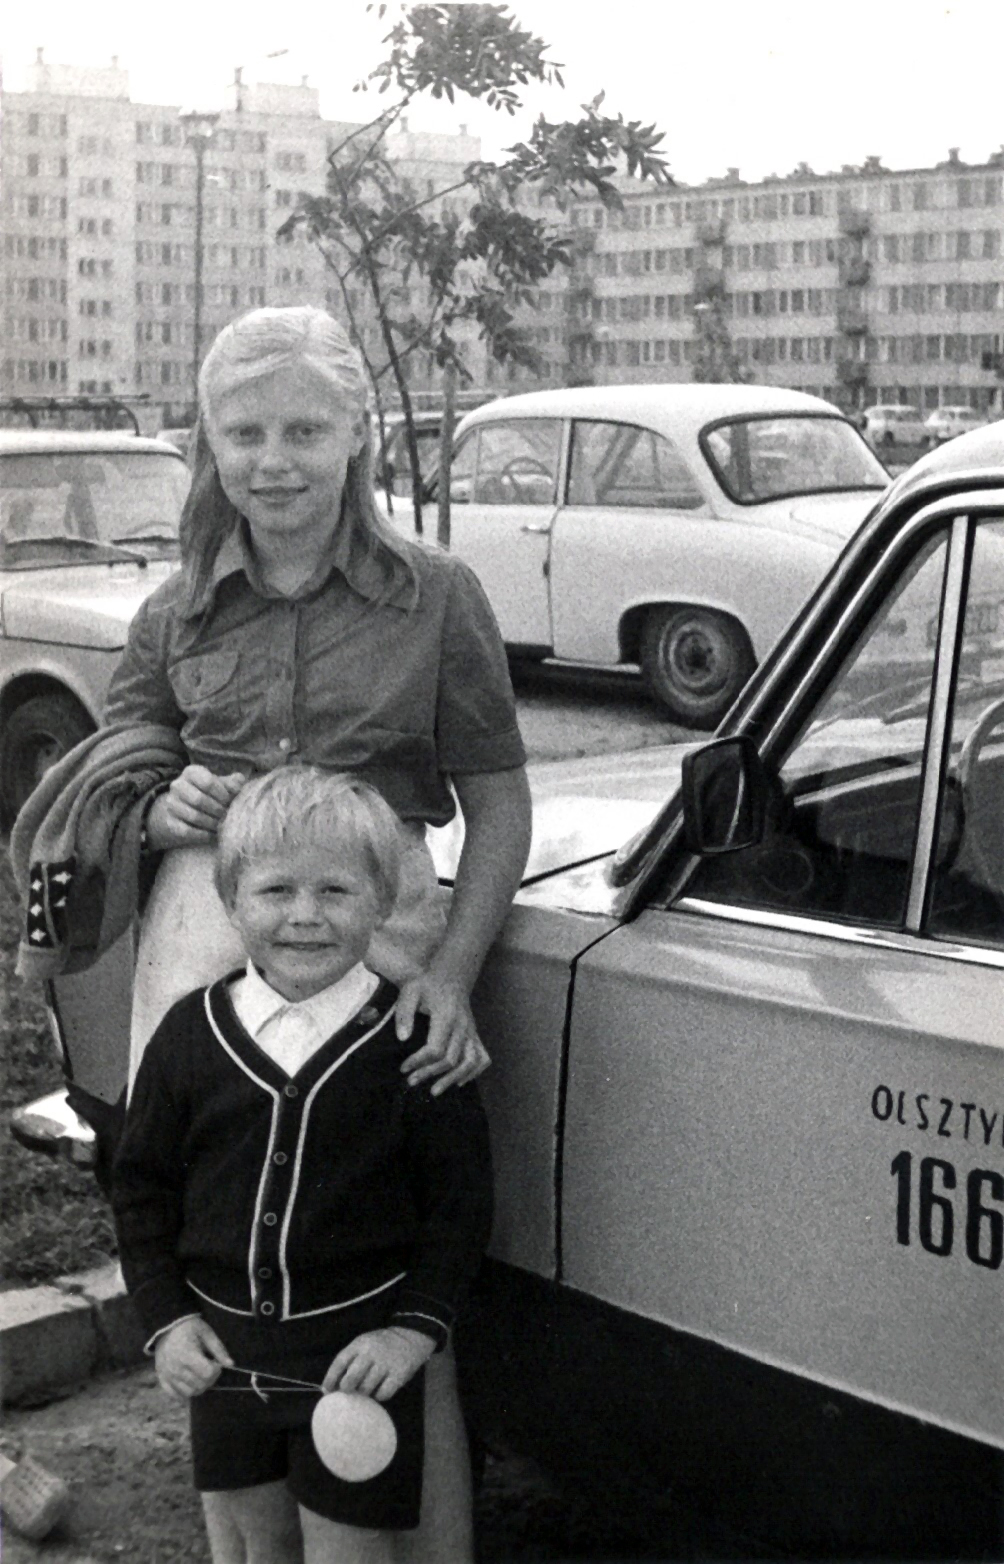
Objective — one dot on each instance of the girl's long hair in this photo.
(248, 349)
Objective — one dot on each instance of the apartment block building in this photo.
(98, 203)
(863, 286)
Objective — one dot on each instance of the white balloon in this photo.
(354, 1435)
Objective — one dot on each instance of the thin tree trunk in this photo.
(446, 453)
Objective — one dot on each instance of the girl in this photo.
(299, 628)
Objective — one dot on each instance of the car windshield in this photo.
(68, 507)
(758, 459)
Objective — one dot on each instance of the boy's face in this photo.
(305, 915)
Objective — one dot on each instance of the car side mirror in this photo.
(724, 790)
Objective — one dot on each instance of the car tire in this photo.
(888, 438)
(35, 736)
(695, 661)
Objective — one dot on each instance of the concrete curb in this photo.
(53, 1338)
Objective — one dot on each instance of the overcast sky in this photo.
(758, 84)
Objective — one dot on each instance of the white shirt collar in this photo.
(328, 1011)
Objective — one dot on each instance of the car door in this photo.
(503, 498)
(632, 529)
(784, 1126)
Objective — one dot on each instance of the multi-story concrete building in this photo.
(98, 193)
(862, 286)
(865, 285)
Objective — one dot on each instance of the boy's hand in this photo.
(188, 1358)
(190, 812)
(379, 1362)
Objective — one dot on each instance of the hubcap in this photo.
(697, 658)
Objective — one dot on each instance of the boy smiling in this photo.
(285, 1201)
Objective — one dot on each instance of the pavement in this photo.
(54, 1338)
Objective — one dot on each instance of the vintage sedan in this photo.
(747, 1098)
(677, 527)
(88, 527)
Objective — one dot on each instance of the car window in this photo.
(967, 900)
(462, 469)
(52, 503)
(518, 462)
(623, 465)
(757, 459)
(427, 438)
(840, 834)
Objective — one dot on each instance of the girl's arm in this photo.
(497, 819)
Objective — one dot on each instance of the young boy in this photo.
(285, 1202)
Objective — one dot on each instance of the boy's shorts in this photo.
(241, 1441)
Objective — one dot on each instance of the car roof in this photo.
(34, 442)
(673, 407)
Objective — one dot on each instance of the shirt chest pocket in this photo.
(206, 680)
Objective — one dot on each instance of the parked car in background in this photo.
(181, 439)
(747, 1089)
(891, 423)
(676, 527)
(946, 422)
(88, 527)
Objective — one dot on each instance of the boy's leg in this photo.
(258, 1525)
(330, 1542)
(445, 1534)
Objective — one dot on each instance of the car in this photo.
(946, 422)
(180, 438)
(747, 1092)
(894, 423)
(675, 527)
(88, 527)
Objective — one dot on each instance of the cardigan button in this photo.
(280, 1159)
(270, 1219)
(268, 1308)
(291, 1090)
(265, 1272)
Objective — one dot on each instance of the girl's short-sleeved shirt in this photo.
(404, 689)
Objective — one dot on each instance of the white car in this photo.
(894, 423)
(947, 422)
(677, 527)
(88, 528)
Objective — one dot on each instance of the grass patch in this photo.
(55, 1219)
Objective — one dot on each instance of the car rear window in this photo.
(64, 505)
(626, 466)
(758, 459)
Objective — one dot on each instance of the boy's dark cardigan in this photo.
(279, 1197)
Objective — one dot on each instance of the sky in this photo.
(761, 85)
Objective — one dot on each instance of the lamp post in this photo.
(198, 134)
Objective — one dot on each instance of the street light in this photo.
(199, 129)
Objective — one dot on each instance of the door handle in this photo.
(535, 526)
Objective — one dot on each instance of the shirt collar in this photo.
(344, 553)
(328, 1011)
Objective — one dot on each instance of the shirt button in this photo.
(268, 1308)
(280, 1159)
(285, 745)
(265, 1272)
(291, 1090)
(270, 1219)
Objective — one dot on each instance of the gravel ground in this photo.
(122, 1445)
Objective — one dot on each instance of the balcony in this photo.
(854, 222)
(851, 320)
(712, 232)
(852, 372)
(855, 272)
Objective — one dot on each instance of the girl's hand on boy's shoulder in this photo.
(379, 1362)
(453, 1053)
(189, 814)
(188, 1358)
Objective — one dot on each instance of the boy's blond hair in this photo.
(306, 804)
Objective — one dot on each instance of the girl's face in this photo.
(282, 445)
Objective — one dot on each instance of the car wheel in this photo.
(888, 438)
(36, 735)
(695, 662)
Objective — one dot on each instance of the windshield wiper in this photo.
(108, 546)
(148, 537)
